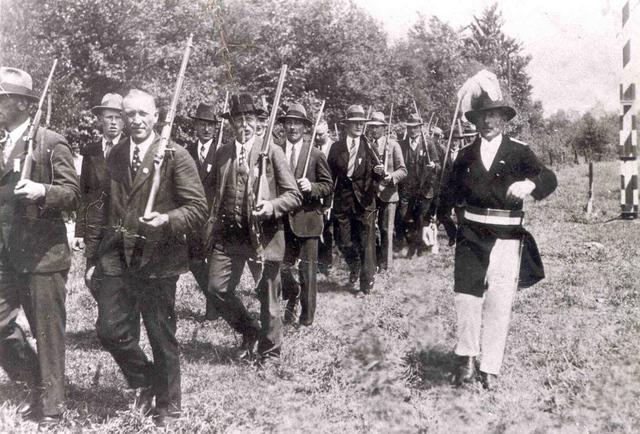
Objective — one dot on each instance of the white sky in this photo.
(575, 45)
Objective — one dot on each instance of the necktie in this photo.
(352, 158)
(107, 148)
(202, 154)
(292, 160)
(243, 158)
(135, 162)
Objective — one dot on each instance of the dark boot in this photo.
(466, 370)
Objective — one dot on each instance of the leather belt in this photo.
(501, 217)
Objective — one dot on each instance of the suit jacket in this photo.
(34, 234)
(394, 166)
(307, 220)
(285, 197)
(125, 244)
(358, 193)
(421, 180)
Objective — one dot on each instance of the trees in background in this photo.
(334, 50)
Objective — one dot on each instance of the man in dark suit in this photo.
(242, 229)
(417, 190)
(94, 162)
(140, 257)
(494, 255)
(325, 249)
(34, 251)
(303, 227)
(203, 152)
(354, 201)
(394, 172)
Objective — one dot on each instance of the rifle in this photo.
(313, 138)
(165, 134)
(386, 143)
(263, 183)
(224, 110)
(33, 129)
(364, 129)
(429, 125)
(426, 148)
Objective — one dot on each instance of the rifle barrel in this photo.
(313, 138)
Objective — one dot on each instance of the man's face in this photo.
(12, 111)
(141, 115)
(204, 130)
(294, 129)
(377, 131)
(322, 138)
(355, 128)
(261, 126)
(414, 132)
(491, 123)
(244, 126)
(111, 123)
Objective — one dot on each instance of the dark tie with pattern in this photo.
(107, 148)
(202, 153)
(135, 162)
(242, 161)
(292, 159)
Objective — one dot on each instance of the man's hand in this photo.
(431, 164)
(77, 244)
(427, 236)
(264, 210)
(155, 219)
(388, 179)
(304, 184)
(29, 190)
(379, 169)
(521, 189)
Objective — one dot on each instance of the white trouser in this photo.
(491, 312)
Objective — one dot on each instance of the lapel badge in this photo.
(145, 170)
(502, 162)
(209, 168)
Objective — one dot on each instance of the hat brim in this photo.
(355, 120)
(97, 109)
(472, 115)
(200, 118)
(300, 118)
(377, 123)
(229, 115)
(27, 95)
(413, 124)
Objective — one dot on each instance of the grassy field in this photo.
(384, 363)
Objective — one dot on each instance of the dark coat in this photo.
(125, 244)
(307, 221)
(35, 234)
(285, 197)
(357, 194)
(471, 184)
(421, 180)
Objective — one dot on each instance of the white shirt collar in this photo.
(247, 146)
(350, 140)
(114, 141)
(489, 149)
(144, 146)
(207, 146)
(19, 132)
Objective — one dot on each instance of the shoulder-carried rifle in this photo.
(224, 110)
(165, 134)
(263, 183)
(424, 139)
(313, 138)
(33, 129)
(386, 142)
(429, 129)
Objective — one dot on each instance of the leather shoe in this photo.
(489, 381)
(25, 409)
(49, 421)
(353, 276)
(306, 321)
(248, 347)
(143, 402)
(466, 370)
(164, 417)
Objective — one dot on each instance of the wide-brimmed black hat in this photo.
(241, 104)
(484, 103)
(14, 81)
(296, 111)
(110, 101)
(205, 112)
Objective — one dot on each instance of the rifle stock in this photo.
(33, 129)
(165, 134)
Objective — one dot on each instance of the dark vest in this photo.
(234, 198)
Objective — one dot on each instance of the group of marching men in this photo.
(207, 219)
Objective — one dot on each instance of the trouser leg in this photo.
(271, 322)
(502, 275)
(118, 328)
(308, 270)
(367, 250)
(157, 305)
(224, 275)
(290, 265)
(346, 244)
(386, 217)
(469, 322)
(200, 270)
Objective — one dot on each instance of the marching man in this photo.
(494, 255)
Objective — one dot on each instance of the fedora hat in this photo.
(110, 101)
(468, 130)
(483, 103)
(355, 113)
(205, 112)
(14, 81)
(414, 120)
(377, 118)
(241, 104)
(296, 111)
(437, 131)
